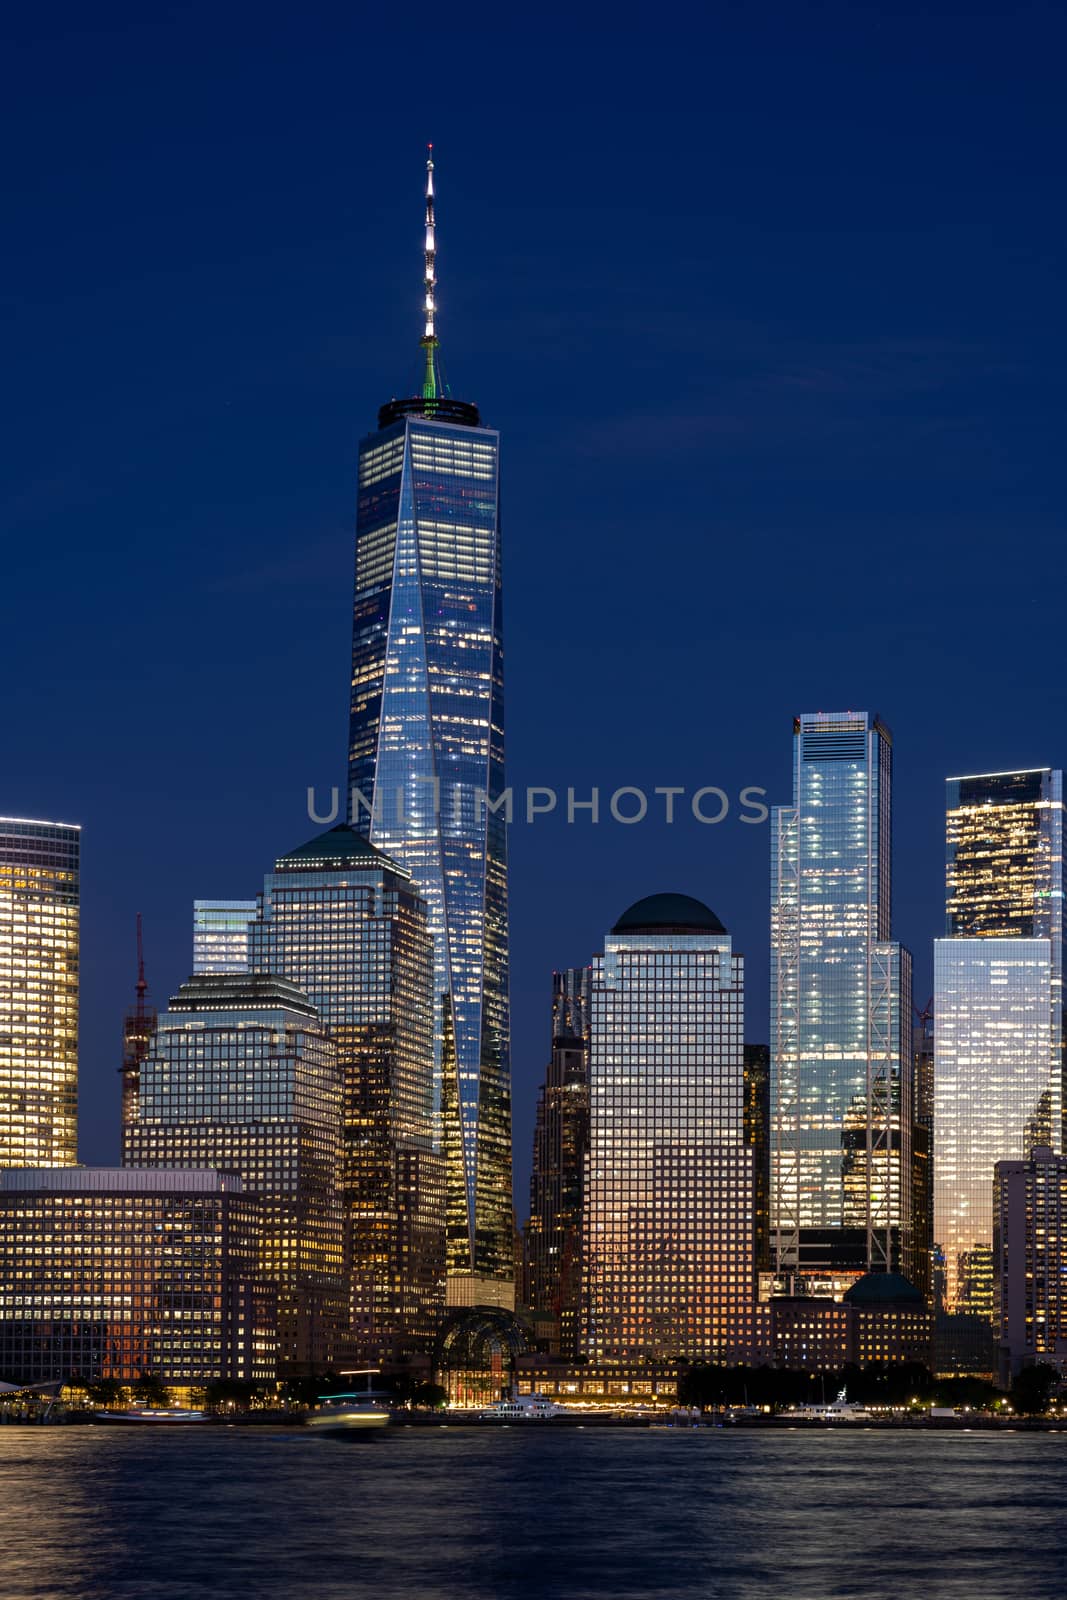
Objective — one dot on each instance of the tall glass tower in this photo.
(998, 1009)
(39, 905)
(426, 765)
(841, 1071)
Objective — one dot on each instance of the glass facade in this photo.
(552, 1246)
(998, 1008)
(427, 782)
(220, 935)
(668, 1224)
(242, 1076)
(39, 910)
(996, 1095)
(113, 1273)
(841, 1067)
(349, 926)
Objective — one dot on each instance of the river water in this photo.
(458, 1514)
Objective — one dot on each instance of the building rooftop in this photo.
(118, 1180)
(878, 1288)
(335, 850)
(668, 913)
(241, 991)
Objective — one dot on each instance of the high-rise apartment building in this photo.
(39, 908)
(841, 1056)
(241, 1076)
(220, 935)
(107, 1272)
(668, 1216)
(553, 1242)
(426, 766)
(349, 926)
(998, 1005)
(1030, 1261)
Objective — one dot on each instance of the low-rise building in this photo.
(109, 1272)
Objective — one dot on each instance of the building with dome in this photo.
(668, 1216)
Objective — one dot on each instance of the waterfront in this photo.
(94, 1515)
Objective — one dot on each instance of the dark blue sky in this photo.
(768, 304)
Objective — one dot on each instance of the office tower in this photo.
(220, 935)
(137, 1033)
(39, 899)
(1030, 1260)
(107, 1272)
(553, 1243)
(757, 1058)
(668, 1224)
(348, 925)
(923, 1148)
(841, 1068)
(998, 1005)
(242, 1076)
(426, 768)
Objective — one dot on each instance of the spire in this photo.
(431, 384)
(431, 399)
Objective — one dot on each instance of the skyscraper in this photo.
(1030, 1260)
(426, 765)
(241, 1076)
(841, 1057)
(561, 1139)
(39, 901)
(668, 1216)
(348, 925)
(998, 1007)
(220, 935)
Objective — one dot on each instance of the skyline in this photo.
(812, 398)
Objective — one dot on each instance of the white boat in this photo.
(523, 1408)
(343, 1415)
(153, 1417)
(839, 1410)
(346, 1413)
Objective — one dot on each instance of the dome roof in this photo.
(876, 1288)
(668, 913)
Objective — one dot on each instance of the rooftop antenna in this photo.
(431, 383)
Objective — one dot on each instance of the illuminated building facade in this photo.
(241, 1076)
(108, 1272)
(998, 1004)
(668, 1221)
(348, 925)
(1030, 1261)
(426, 767)
(841, 1179)
(553, 1242)
(39, 901)
(758, 1135)
(220, 935)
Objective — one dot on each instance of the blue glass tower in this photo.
(841, 1070)
(426, 766)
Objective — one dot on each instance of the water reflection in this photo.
(451, 1513)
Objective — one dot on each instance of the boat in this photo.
(523, 1408)
(348, 1415)
(154, 1417)
(841, 1410)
